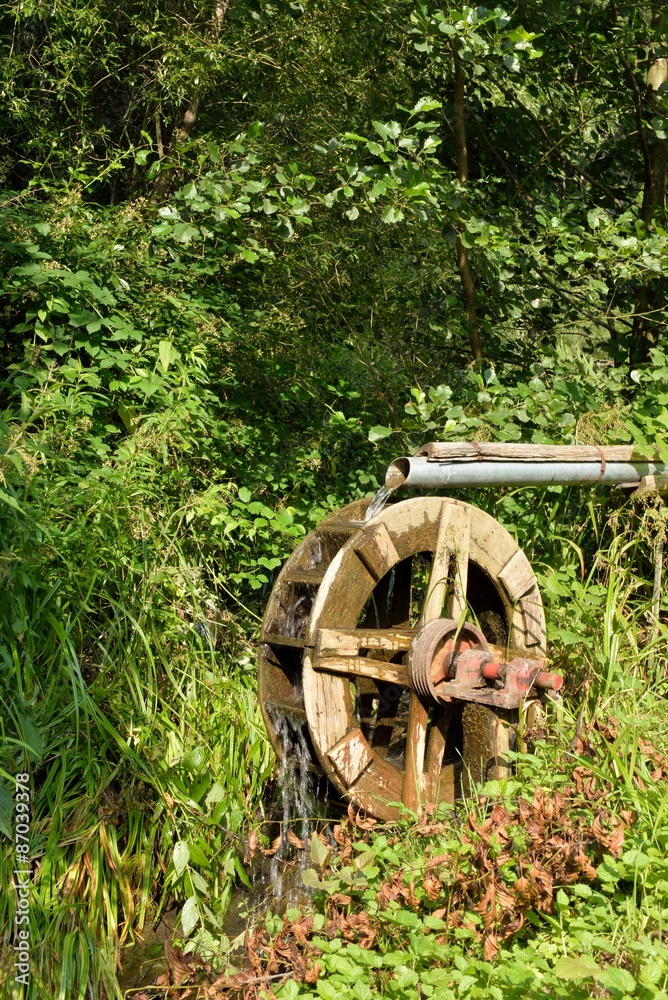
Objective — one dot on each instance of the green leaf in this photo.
(241, 872)
(180, 857)
(310, 879)
(426, 104)
(6, 810)
(80, 317)
(582, 967)
(319, 852)
(33, 737)
(166, 354)
(244, 494)
(392, 214)
(618, 981)
(184, 232)
(9, 500)
(190, 915)
(378, 432)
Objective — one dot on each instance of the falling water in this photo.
(378, 502)
(297, 802)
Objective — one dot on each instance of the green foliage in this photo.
(229, 239)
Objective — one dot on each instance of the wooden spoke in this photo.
(449, 562)
(416, 746)
(438, 734)
(460, 535)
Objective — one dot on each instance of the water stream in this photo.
(296, 785)
(378, 502)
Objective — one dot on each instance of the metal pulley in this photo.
(447, 662)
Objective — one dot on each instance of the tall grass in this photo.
(127, 695)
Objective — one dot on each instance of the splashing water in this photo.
(378, 502)
(297, 801)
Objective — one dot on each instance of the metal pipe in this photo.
(420, 473)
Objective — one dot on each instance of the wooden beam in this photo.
(364, 666)
(348, 642)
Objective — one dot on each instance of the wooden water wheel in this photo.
(343, 621)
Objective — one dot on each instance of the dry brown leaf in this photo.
(275, 845)
(252, 846)
(612, 840)
(179, 964)
(490, 947)
(313, 973)
(295, 840)
(432, 886)
(439, 859)
(340, 899)
(301, 930)
(360, 819)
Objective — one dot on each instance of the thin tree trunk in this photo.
(462, 254)
(655, 161)
(164, 180)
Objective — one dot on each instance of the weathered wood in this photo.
(488, 735)
(279, 662)
(287, 706)
(517, 576)
(364, 666)
(350, 756)
(438, 735)
(416, 746)
(313, 577)
(338, 527)
(348, 642)
(440, 569)
(453, 451)
(283, 640)
(652, 484)
(461, 532)
(375, 548)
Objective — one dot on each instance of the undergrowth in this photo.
(551, 883)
